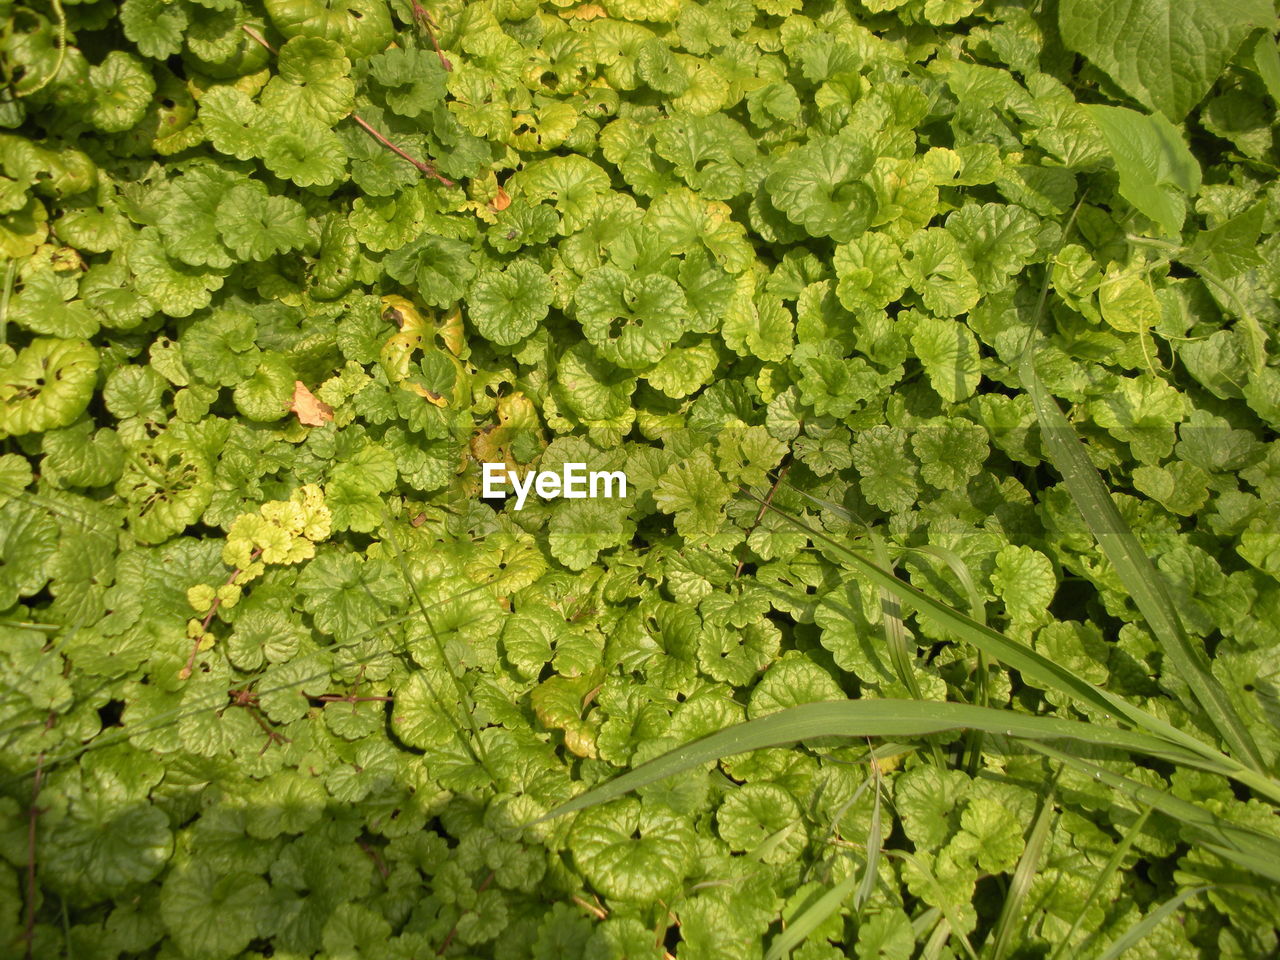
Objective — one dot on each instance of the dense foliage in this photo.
(279, 274)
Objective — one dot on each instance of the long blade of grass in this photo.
(895, 635)
(875, 843)
(977, 610)
(977, 606)
(474, 745)
(937, 941)
(1103, 877)
(1139, 930)
(1031, 664)
(895, 632)
(1023, 875)
(1134, 568)
(809, 919)
(951, 924)
(1243, 846)
(875, 718)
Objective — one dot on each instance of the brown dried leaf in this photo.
(311, 411)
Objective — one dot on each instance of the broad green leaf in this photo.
(1158, 174)
(1164, 53)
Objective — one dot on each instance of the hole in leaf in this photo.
(110, 713)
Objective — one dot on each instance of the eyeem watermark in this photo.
(573, 483)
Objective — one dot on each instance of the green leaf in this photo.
(507, 305)
(167, 485)
(122, 90)
(266, 395)
(347, 595)
(437, 266)
(255, 226)
(869, 269)
(631, 320)
(154, 25)
(1157, 171)
(1163, 53)
(312, 82)
(1024, 579)
(936, 270)
(47, 385)
(107, 846)
(630, 852)
(234, 124)
(28, 542)
(362, 27)
(1231, 247)
(695, 492)
(304, 151)
(997, 240)
(821, 186)
(762, 816)
(212, 914)
(414, 80)
(44, 306)
(175, 288)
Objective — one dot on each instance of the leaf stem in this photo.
(427, 24)
(378, 863)
(258, 37)
(33, 817)
(764, 507)
(427, 169)
(453, 931)
(185, 672)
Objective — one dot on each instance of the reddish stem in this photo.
(272, 735)
(257, 36)
(764, 505)
(422, 165)
(378, 863)
(453, 932)
(208, 618)
(427, 24)
(426, 168)
(33, 817)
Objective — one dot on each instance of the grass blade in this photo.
(1139, 930)
(978, 611)
(895, 632)
(1012, 653)
(1108, 869)
(1134, 568)
(875, 843)
(474, 745)
(895, 636)
(810, 919)
(1256, 852)
(874, 718)
(1024, 874)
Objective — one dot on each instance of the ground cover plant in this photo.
(936, 339)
